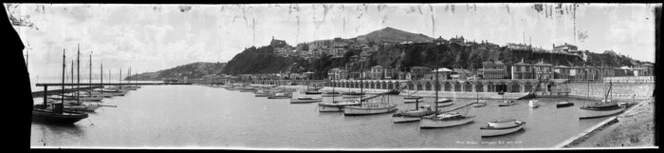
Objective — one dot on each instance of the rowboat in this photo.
(444, 120)
(305, 100)
(564, 104)
(502, 127)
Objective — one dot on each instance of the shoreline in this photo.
(632, 128)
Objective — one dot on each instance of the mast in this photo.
(435, 102)
(72, 72)
(62, 93)
(78, 72)
(90, 77)
(101, 74)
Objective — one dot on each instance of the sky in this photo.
(152, 37)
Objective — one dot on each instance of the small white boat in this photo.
(480, 103)
(444, 100)
(445, 104)
(280, 95)
(336, 106)
(502, 127)
(533, 104)
(445, 120)
(305, 100)
(590, 112)
(507, 103)
(370, 108)
(331, 94)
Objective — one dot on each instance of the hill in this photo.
(262, 60)
(192, 70)
(394, 35)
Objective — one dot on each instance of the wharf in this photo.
(447, 94)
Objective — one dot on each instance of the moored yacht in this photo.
(501, 127)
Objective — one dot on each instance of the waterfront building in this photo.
(543, 70)
(443, 74)
(577, 73)
(561, 72)
(377, 72)
(337, 74)
(493, 70)
(522, 70)
(605, 71)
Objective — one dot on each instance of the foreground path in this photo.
(635, 128)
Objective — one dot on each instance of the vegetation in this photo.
(193, 70)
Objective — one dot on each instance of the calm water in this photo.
(199, 116)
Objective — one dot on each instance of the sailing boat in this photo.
(56, 114)
(79, 104)
(502, 127)
(370, 108)
(447, 118)
(336, 106)
(479, 102)
(412, 115)
(606, 107)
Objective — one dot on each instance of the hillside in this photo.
(261, 60)
(193, 70)
(394, 35)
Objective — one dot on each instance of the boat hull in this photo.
(330, 108)
(299, 101)
(412, 100)
(587, 114)
(479, 104)
(492, 132)
(405, 119)
(41, 115)
(360, 110)
(331, 95)
(428, 123)
(564, 105)
(445, 104)
(278, 97)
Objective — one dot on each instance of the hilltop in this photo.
(394, 35)
(192, 70)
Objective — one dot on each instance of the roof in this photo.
(461, 71)
(522, 63)
(442, 70)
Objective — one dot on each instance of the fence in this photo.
(630, 79)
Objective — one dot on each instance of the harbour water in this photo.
(191, 116)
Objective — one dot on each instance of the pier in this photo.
(86, 86)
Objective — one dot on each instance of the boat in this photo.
(370, 108)
(606, 107)
(412, 115)
(479, 103)
(57, 114)
(501, 127)
(533, 104)
(331, 94)
(305, 100)
(337, 106)
(312, 92)
(261, 93)
(352, 94)
(505, 103)
(280, 95)
(412, 99)
(448, 118)
(247, 89)
(564, 104)
(393, 92)
(444, 102)
(443, 120)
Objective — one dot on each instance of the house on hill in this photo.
(564, 48)
(493, 70)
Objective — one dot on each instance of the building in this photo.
(390, 73)
(577, 73)
(278, 43)
(462, 74)
(337, 74)
(418, 72)
(494, 70)
(519, 46)
(564, 48)
(458, 40)
(522, 70)
(377, 72)
(543, 70)
(443, 74)
(561, 72)
(440, 41)
(643, 70)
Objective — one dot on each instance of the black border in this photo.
(19, 127)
